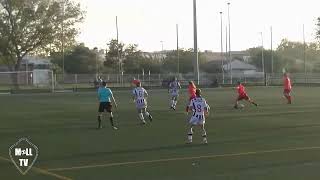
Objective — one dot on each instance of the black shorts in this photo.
(105, 106)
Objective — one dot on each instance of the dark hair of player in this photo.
(104, 83)
(198, 92)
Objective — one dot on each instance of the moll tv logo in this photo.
(23, 154)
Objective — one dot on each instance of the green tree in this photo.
(186, 58)
(256, 60)
(79, 60)
(29, 25)
(114, 54)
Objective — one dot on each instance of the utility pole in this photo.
(221, 54)
(195, 36)
(178, 55)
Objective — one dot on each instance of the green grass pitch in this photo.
(272, 141)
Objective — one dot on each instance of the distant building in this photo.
(33, 71)
(31, 63)
(242, 69)
(239, 67)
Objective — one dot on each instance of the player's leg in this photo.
(100, 113)
(112, 122)
(289, 98)
(236, 104)
(146, 113)
(287, 94)
(190, 133)
(172, 102)
(109, 110)
(140, 115)
(204, 134)
(99, 120)
(251, 101)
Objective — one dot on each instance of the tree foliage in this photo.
(29, 25)
(78, 60)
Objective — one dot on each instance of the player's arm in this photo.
(134, 96)
(179, 85)
(113, 99)
(206, 108)
(145, 92)
(189, 107)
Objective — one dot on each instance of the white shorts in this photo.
(174, 93)
(197, 120)
(141, 104)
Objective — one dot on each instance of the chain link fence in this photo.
(48, 81)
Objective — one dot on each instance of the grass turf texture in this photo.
(272, 141)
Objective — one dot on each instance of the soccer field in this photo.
(271, 141)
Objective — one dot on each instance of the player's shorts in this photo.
(286, 91)
(174, 95)
(197, 119)
(105, 106)
(243, 97)
(174, 92)
(141, 104)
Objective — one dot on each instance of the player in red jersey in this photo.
(287, 87)
(242, 95)
(192, 92)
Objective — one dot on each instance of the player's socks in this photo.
(99, 122)
(189, 138)
(142, 118)
(289, 99)
(204, 136)
(149, 115)
(190, 133)
(172, 104)
(111, 122)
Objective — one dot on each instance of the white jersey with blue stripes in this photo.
(174, 87)
(140, 97)
(198, 106)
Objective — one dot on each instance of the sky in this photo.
(148, 22)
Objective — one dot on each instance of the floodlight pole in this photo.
(195, 36)
(62, 40)
(118, 53)
(304, 54)
(230, 58)
(272, 70)
(262, 60)
(96, 58)
(222, 70)
(178, 55)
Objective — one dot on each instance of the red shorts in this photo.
(243, 97)
(287, 91)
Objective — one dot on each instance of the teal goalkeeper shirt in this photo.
(104, 94)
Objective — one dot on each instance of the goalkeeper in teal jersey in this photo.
(105, 96)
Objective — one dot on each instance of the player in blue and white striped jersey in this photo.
(139, 97)
(200, 109)
(174, 88)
